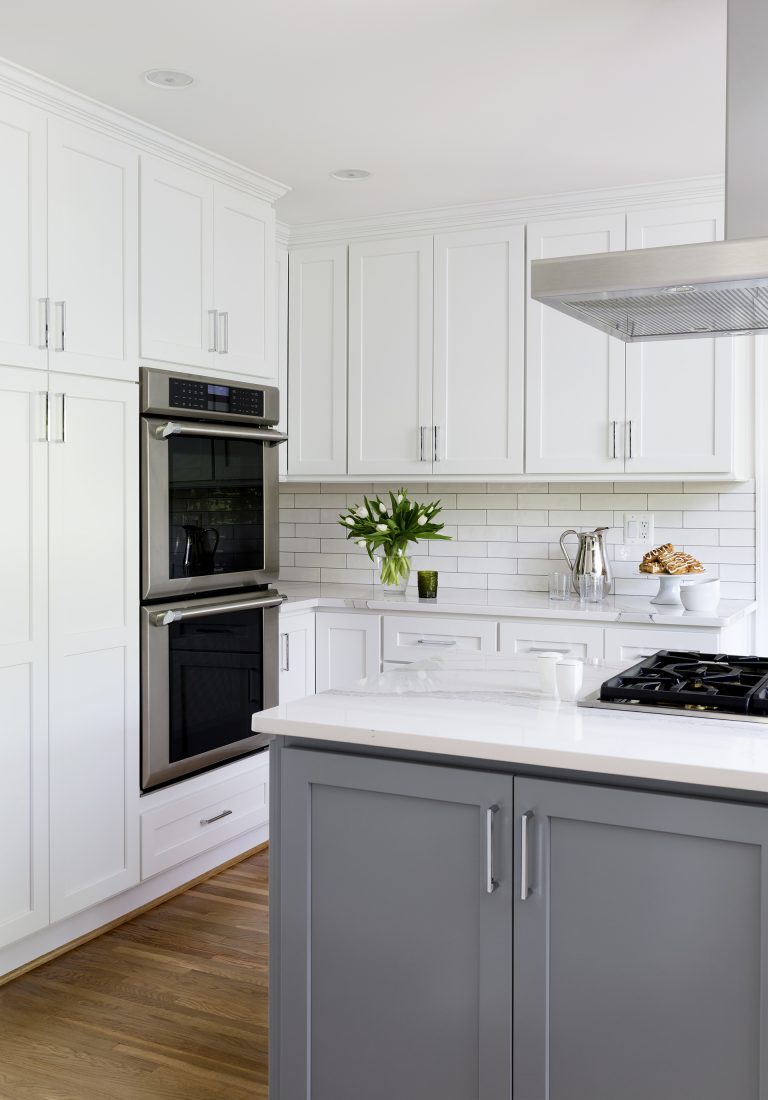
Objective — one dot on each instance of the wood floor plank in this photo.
(170, 1006)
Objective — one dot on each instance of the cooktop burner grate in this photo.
(680, 679)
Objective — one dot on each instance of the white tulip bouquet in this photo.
(389, 528)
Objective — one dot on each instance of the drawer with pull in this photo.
(187, 826)
(523, 639)
(414, 637)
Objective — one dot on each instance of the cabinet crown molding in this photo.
(56, 99)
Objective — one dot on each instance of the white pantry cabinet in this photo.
(390, 357)
(317, 361)
(574, 373)
(297, 656)
(23, 280)
(23, 656)
(92, 252)
(680, 393)
(207, 273)
(479, 351)
(347, 648)
(94, 650)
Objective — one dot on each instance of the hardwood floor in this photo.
(171, 1006)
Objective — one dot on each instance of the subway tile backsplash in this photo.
(507, 536)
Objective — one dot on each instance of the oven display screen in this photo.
(219, 398)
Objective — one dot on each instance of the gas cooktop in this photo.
(705, 685)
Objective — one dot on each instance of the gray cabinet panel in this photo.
(394, 978)
(640, 964)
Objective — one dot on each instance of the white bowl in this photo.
(704, 596)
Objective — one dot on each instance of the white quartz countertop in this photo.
(491, 709)
(519, 605)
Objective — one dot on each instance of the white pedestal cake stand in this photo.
(669, 586)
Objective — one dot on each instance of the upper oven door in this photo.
(209, 506)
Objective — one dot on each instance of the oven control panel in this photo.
(185, 393)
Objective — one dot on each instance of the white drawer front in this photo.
(625, 646)
(581, 640)
(413, 637)
(193, 824)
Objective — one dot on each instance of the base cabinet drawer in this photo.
(413, 637)
(190, 825)
(580, 640)
(624, 646)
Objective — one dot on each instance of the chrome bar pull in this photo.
(63, 421)
(422, 433)
(223, 343)
(436, 641)
(218, 817)
(62, 330)
(629, 437)
(46, 436)
(285, 653)
(45, 320)
(490, 881)
(436, 454)
(213, 330)
(613, 438)
(525, 887)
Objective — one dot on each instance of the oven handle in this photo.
(222, 431)
(169, 615)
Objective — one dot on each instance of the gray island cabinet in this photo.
(446, 933)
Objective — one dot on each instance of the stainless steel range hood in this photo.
(712, 289)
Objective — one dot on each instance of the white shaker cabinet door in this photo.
(244, 283)
(479, 351)
(347, 648)
(94, 641)
(680, 393)
(23, 657)
(178, 323)
(390, 357)
(574, 373)
(317, 360)
(22, 235)
(92, 252)
(297, 656)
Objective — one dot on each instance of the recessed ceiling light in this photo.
(168, 78)
(350, 174)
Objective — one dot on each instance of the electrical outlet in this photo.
(638, 528)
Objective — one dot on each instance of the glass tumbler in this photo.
(591, 588)
(559, 586)
(427, 582)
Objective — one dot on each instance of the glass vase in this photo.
(394, 571)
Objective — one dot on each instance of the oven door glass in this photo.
(215, 506)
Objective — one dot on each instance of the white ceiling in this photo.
(444, 101)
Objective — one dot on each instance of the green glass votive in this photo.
(427, 581)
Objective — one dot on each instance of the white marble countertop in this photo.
(519, 605)
(491, 709)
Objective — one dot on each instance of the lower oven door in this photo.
(207, 666)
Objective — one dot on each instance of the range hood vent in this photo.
(683, 291)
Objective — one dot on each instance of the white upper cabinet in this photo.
(243, 282)
(94, 683)
(680, 393)
(92, 252)
(178, 321)
(23, 656)
(390, 357)
(317, 361)
(22, 234)
(574, 373)
(207, 273)
(479, 351)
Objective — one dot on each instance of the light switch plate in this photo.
(638, 528)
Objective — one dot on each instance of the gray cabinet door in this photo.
(640, 952)
(394, 976)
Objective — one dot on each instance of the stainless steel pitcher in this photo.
(591, 556)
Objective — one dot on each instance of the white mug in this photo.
(569, 675)
(547, 662)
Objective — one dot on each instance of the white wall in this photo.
(507, 536)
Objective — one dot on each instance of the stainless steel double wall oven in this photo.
(210, 551)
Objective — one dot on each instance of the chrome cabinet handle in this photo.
(525, 888)
(546, 649)
(46, 436)
(490, 882)
(63, 437)
(223, 344)
(62, 330)
(435, 642)
(213, 330)
(46, 321)
(629, 436)
(218, 817)
(437, 436)
(285, 654)
(422, 433)
(613, 438)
